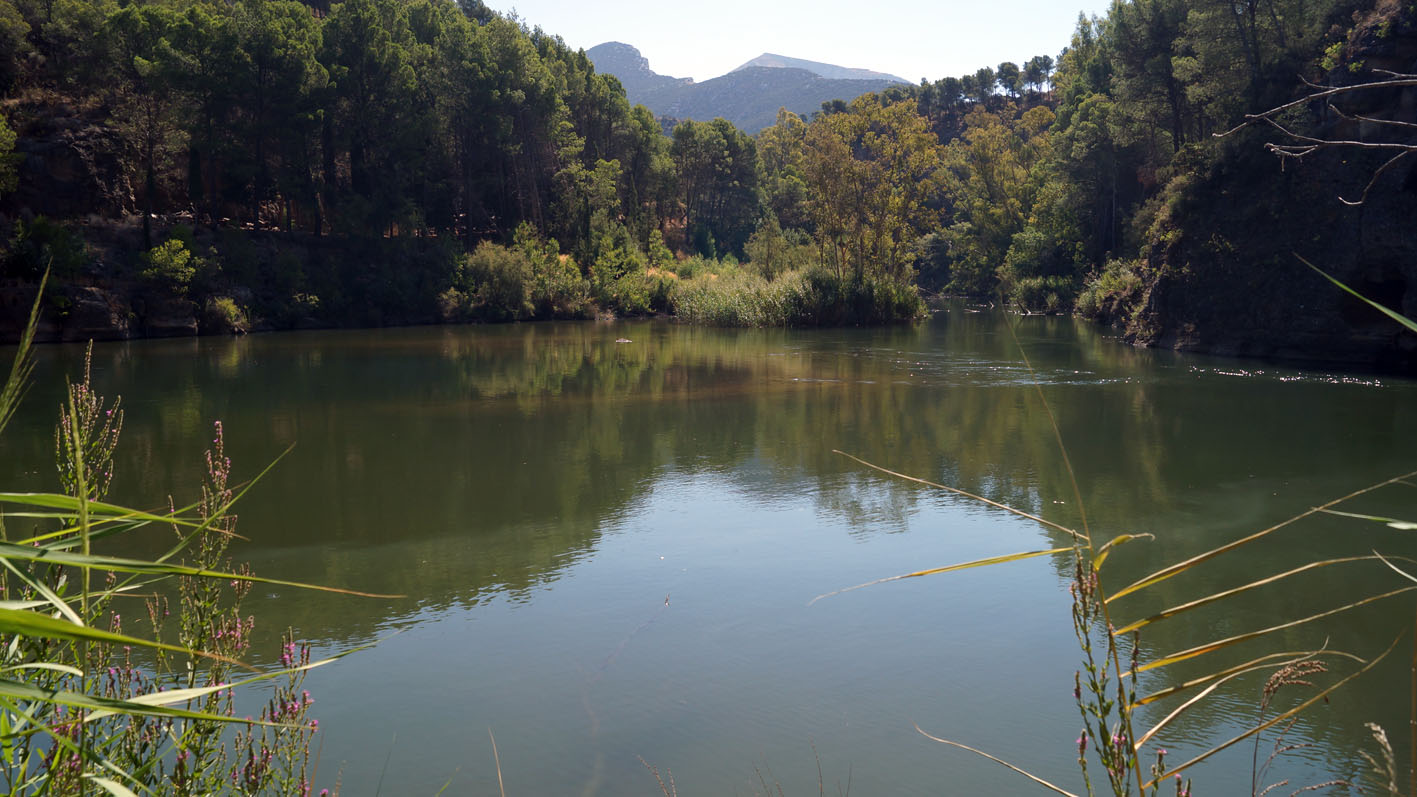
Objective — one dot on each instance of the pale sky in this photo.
(909, 38)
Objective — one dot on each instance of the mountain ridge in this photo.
(829, 71)
(748, 96)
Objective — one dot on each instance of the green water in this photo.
(608, 548)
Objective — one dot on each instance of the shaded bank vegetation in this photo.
(278, 164)
(274, 164)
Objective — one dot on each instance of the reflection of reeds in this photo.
(1106, 686)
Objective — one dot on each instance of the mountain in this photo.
(749, 96)
(632, 69)
(831, 71)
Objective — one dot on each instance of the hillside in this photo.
(749, 96)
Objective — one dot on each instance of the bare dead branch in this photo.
(1379, 173)
(1301, 145)
(1403, 81)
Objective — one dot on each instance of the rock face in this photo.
(749, 96)
(69, 167)
(169, 318)
(96, 314)
(75, 313)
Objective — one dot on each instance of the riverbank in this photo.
(227, 281)
(103, 285)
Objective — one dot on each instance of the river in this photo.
(609, 535)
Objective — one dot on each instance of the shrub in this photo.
(45, 243)
(735, 300)
(1041, 294)
(558, 290)
(222, 314)
(169, 266)
(1113, 293)
(813, 297)
(500, 280)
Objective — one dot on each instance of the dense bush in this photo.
(557, 288)
(812, 297)
(529, 280)
(497, 282)
(45, 244)
(1041, 294)
(1113, 293)
(223, 315)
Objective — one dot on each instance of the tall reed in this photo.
(1114, 737)
(84, 704)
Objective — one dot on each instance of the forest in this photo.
(184, 166)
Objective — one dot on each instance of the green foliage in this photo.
(932, 262)
(735, 299)
(9, 177)
(402, 122)
(771, 251)
(528, 280)
(717, 167)
(1113, 293)
(784, 178)
(812, 297)
(994, 180)
(45, 245)
(497, 280)
(223, 314)
(558, 290)
(619, 275)
(170, 266)
(872, 172)
(1041, 294)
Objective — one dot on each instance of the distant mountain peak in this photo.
(749, 96)
(830, 71)
(625, 62)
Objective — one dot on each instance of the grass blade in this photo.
(23, 691)
(1026, 774)
(981, 499)
(143, 567)
(23, 363)
(1396, 316)
(1194, 682)
(1400, 525)
(1181, 709)
(1211, 647)
(34, 624)
(1278, 717)
(993, 560)
(1120, 539)
(1181, 567)
(172, 696)
(111, 786)
(50, 598)
(1209, 599)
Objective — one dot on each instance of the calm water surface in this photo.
(608, 548)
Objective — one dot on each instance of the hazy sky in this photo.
(909, 38)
